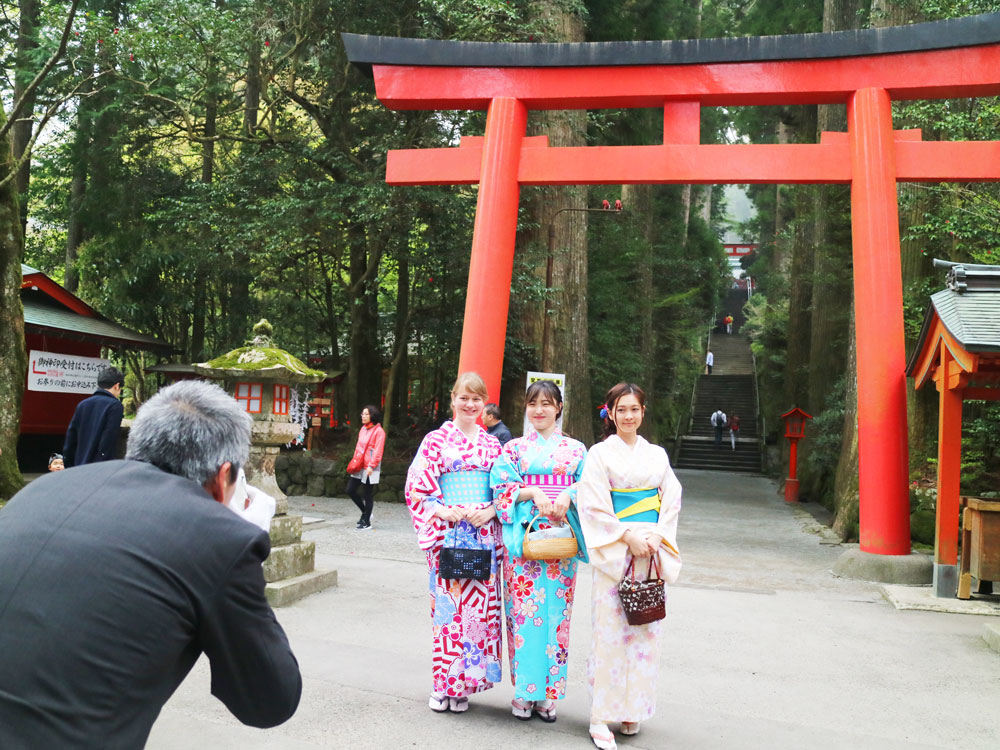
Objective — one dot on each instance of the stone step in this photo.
(283, 593)
(285, 530)
(290, 560)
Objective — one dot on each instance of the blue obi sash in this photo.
(466, 487)
(641, 505)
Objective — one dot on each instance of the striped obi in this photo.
(640, 505)
(466, 487)
(550, 484)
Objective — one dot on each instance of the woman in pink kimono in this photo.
(451, 503)
(629, 500)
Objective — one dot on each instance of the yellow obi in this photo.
(641, 504)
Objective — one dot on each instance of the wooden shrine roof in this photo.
(965, 318)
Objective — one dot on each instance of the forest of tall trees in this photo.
(188, 167)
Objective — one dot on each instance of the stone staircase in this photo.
(730, 387)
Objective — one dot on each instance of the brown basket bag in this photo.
(549, 549)
(643, 601)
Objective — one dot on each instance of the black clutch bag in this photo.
(465, 562)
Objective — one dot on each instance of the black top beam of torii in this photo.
(364, 50)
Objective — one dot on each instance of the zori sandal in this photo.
(458, 705)
(602, 737)
(630, 727)
(438, 703)
(521, 709)
(546, 710)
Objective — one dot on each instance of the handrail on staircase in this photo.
(761, 435)
(679, 429)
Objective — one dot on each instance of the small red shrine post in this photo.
(795, 430)
(866, 70)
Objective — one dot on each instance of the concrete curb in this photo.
(991, 634)
(914, 569)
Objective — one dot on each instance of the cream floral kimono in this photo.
(625, 659)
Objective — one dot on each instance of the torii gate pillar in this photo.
(883, 469)
(491, 265)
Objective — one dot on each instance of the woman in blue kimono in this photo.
(535, 476)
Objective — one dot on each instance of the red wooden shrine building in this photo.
(64, 337)
(959, 352)
(865, 70)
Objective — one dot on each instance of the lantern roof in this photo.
(260, 359)
(796, 412)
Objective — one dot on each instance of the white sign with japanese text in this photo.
(63, 373)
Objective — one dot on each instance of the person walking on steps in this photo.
(709, 361)
(729, 324)
(734, 429)
(719, 423)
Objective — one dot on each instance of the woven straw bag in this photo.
(643, 601)
(558, 548)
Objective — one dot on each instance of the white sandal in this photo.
(546, 710)
(438, 703)
(458, 705)
(630, 728)
(521, 709)
(602, 737)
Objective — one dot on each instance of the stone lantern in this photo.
(261, 378)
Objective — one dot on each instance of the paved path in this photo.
(764, 649)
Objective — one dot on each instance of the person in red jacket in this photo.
(371, 443)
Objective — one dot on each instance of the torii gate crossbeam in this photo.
(866, 70)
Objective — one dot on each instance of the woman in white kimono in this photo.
(629, 500)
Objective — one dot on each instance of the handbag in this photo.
(465, 562)
(549, 544)
(356, 464)
(643, 601)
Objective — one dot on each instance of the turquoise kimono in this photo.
(538, 594)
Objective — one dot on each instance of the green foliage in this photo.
(826, 434)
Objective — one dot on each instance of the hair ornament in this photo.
(604, 411)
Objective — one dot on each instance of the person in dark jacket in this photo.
(118, 575)
(495, 425)
(93, 432)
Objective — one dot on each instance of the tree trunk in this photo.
(401, 362)
(75, 225)
(13, 360)
(845, 488)
(24, 72)
(832, 289)
(364, 378)
(198, 310)
(802, 129)
(568, 332)
(640, 202)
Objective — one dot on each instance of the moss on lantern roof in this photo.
(262, 358)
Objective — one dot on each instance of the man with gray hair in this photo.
(117, 575)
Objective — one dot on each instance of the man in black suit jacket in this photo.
(116, 576)
(93, 431)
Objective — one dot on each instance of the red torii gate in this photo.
(865, 69)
